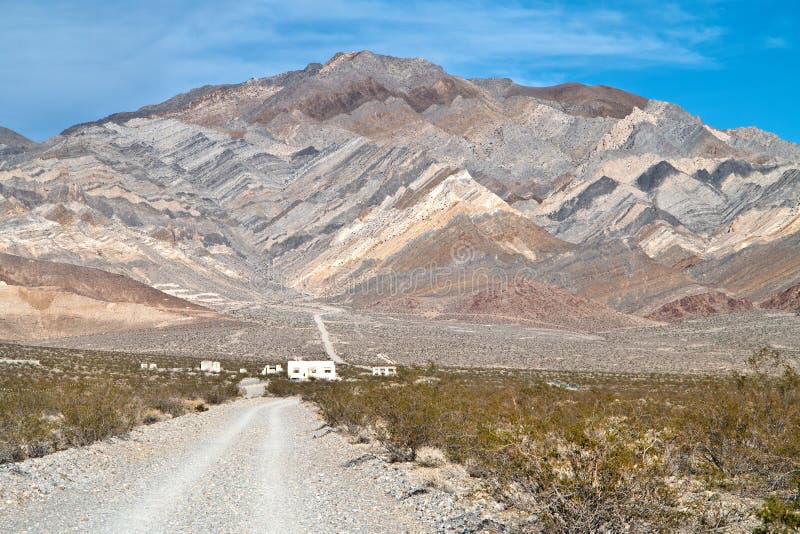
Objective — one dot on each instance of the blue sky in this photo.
(733, 63)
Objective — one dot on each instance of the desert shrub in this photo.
(94, 411)
(282, 387)
(77, 397)
(430, 457)
(152, 416)
(599, 458)
(779, 516)
(37, 449)
(749, 425)
(220, 394)
(10, 452)
(172, 406)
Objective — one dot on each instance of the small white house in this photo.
(149, 366)
(299, 370)
(272, 369)
(384, 371)
(210, 366)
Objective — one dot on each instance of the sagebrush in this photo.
(619, 452)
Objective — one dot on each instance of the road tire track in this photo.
(249, 466)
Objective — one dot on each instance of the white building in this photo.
(210, 367)
(384, 371)
(272, 369)
(302, 370)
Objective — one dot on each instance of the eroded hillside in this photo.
(333, 179)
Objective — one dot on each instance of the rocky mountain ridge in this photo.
(335, 179)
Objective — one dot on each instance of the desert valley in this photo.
(601, 280)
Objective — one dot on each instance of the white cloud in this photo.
(775, 42)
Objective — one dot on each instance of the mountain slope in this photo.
(13, 143)
(520, 300)
(444, 217)
(43, 299)
(331, 179)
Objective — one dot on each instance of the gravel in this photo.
(712, 345)
(255, 465)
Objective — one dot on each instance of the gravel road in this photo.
(326, 340)
(258, 465)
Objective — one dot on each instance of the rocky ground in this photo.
(716, 344)
(258, 465)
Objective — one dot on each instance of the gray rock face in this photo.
(12, 143)
(231, 194)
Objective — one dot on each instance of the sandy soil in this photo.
(715, 344)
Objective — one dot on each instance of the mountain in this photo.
(43, 299)
(13, 143)
(369, 178)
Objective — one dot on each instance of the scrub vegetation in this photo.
(76, 397)
(596, 452)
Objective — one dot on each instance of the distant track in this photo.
(318, 311)
(326, 340)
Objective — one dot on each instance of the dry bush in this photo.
(152, 416)
(778, 515)
(77, 397)
(430, 457)
(596, 459)
(172, 406)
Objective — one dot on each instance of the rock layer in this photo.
(368, 168)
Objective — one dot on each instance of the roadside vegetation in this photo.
(596, 452)
(77, 397)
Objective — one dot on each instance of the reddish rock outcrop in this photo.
(701, 305)
(788, 300)
(523, 301)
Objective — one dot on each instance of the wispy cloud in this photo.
(774, 42)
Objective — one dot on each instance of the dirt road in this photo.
(258, 465)
(326, 340)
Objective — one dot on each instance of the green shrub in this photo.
(282, 387)
(779, 516)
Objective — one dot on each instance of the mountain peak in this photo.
(338, 59)
(393, 72)
(12, 143)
